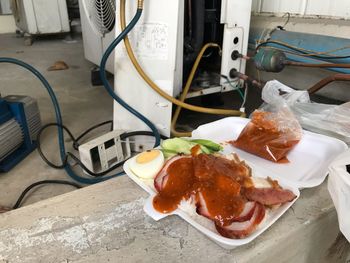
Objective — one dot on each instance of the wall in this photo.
(7, 24)
(325, 8)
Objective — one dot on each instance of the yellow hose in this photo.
(174, 132)
(154, 86)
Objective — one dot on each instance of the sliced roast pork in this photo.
(268, 196)
(267, 192)
(161, 179)
(245, 228)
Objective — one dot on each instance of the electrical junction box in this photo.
(100, 154)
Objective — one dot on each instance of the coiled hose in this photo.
(58, 116)
(57, 110)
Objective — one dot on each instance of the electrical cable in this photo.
(38, 141)
(155, 86)
(229, 81)
(23, 194)
(57, 110)
(76, 143)
(306, 52)
(75, 158)
(245, 94)
(140, 133)
(285, 23)
(69, 154)
(65, 165)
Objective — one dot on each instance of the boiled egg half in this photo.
(147, 164)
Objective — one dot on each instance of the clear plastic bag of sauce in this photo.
(270, 135)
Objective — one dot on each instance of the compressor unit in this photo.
(19, 125)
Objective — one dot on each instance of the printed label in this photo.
(150, 40)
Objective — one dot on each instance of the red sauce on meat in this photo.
(216, 179)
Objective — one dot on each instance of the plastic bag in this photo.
(339, 189)
(271, 134)
(331, 120)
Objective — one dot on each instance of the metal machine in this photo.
(98, 26)
(19, 125)
(166, 42)
(35, 17)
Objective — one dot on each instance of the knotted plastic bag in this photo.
(272, 132)
(339, 189)
(327, 119)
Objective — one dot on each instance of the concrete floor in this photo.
(82, 106)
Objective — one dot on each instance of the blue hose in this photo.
(108, 87)
(58, 115)
(49, 89)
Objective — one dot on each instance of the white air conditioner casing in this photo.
(157, 41)
(36, 17)
(96, 36)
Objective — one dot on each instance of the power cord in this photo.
(24, 193)
(75, 142)
(30, 187)
(63, 153)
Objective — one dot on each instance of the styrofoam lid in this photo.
(309, 160)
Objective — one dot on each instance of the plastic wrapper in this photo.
(331, 120)
(339, 189)
(271, 134)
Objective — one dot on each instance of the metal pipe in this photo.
(236, 74)
(316, 43)
(316, 65)
(323, 82)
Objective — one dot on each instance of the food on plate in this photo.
(222, 188)
(270, 135)
(174, 146)
(241, 229)
(147, 164)
(267, 192)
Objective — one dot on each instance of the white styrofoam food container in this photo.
(307, 168)
(309, 159)
(205, 225)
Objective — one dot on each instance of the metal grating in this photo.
(102, 15)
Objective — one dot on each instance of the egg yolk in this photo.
(148, 156)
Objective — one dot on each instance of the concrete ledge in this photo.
(106, 222)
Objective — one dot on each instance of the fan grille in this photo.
(102, 15)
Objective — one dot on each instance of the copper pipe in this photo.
(323, 82)
(321, 65)
(237, 74)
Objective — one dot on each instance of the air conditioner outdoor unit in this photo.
(36, 17)
(166, 41)
(98, 19)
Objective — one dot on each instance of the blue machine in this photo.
(19, 125)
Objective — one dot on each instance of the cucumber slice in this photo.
(178, 145)
(167, 154)
(212, 146)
